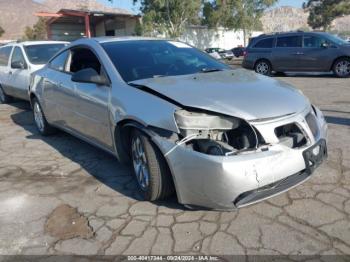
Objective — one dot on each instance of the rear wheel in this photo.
(4, 99)
(40, 121)
(263, 67)
(341, 67)
(151, 171)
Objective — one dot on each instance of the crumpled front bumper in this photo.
(229, 182)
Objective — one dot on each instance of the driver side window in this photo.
(83, 58)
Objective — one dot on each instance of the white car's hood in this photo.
(237, 93)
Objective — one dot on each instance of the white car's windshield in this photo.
(143, 59)
(41, 54)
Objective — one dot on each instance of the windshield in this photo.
(143, 59)
(41, 54)
(337, 40)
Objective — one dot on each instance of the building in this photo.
(69, 24)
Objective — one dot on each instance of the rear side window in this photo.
(264, 43)
(5, 55)
(59, 62)
(314, 41)
(289, 41)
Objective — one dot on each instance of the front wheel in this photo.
(151, 171)
(40, 121)
(263, 67)
(4, 99)
(341, 67)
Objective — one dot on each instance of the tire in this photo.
(4, 99)
(150, 168)
(40, 121)
(341, 67)
(263, 67)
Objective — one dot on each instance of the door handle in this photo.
(299, 53)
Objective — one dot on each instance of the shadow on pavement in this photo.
(98, 163)
(338, 120)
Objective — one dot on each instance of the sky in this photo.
(128, 4)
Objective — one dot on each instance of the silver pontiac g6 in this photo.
(220, 138)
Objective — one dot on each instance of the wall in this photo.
(67, 31)
(203, 38)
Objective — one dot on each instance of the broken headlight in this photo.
(215, 134)
(192, 122)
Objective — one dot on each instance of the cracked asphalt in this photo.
(59, 195)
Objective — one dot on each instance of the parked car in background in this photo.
(224, 54)
(299, 52)
(220, 138)
(18, 60)
(238, 51)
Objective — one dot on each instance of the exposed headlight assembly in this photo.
(215, 134)
(190, 122)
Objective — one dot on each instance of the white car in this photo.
(18, 61)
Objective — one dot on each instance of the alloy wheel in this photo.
(343, 68)
(262, 68)
(140, 163)
(38, 117)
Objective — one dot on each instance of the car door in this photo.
(19, 74)
(5, 53)
(318, 53)
(59, 92)
(91, 114)
(287, 53)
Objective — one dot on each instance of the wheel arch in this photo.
(263, 59)
(122, 134)
(338, 58)
(32, 96)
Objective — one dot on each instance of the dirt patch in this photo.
(65, 223)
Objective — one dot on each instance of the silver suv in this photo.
(298, 51)
(18, 61)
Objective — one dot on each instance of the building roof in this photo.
(111, 12)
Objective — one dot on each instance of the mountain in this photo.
(15, 15)
(287, 18)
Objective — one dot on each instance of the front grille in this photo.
(312, 123)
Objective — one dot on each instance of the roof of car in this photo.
(124, 38)
(288, 33)
(28, 43)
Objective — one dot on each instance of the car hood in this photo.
(34, 68)
(238, 93)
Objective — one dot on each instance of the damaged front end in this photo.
(224, 162)
(216, 134)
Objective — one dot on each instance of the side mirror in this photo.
(18, 65)
(89, 75)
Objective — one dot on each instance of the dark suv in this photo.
(298, 51)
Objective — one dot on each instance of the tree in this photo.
(169, 16)
(37, 32)
(2, 31)
(236, 14)
(323, 12)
